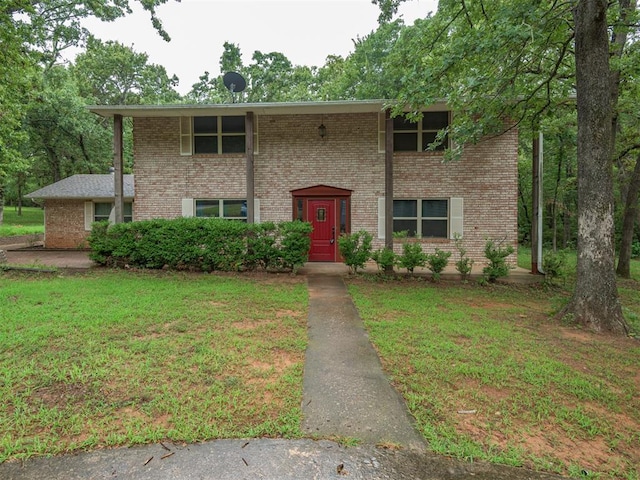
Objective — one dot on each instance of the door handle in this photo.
(333, 235)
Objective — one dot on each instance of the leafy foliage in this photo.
(412, 256)
(110, 73)
(385, 258)
(437, 262)
(200, 244)
(355, 248)
(496, 254)
(464, 265)
(554, 265)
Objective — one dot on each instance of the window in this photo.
(416, 137)
(222, 208)
(422, 218)
(103, 211)
(217, 135)
(100, 211)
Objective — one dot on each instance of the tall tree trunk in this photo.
(566, 211)
(595, 302)
(629, 219)
(556, 190)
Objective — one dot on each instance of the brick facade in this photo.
(291, 155)
(64, 224)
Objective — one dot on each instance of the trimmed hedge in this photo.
(205, 244)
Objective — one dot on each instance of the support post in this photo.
(388, 180)
(118, 176)
(249, 127)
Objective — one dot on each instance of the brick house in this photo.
(74, 203)
(343, 166)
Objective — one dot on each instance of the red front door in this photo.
(322, 215)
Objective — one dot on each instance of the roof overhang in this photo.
(281, 108)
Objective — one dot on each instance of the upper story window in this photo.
(212, 135)
(416, 137)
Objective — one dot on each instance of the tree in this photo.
(595, 300)
(627, 157)
(365, 73)
(512, 59)
(32, 35)
(110, 73)
(64, 137)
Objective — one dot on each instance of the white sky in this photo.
(305, 31)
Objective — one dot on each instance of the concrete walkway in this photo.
(345, 392)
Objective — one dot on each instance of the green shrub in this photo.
(385, 258)
(437, 262)
(635, 249)
(496, 254)
(262, 251)
(554, 265)
(199, 244)
(295, 242)
(355, 248)
(465, 264)
(412, 256)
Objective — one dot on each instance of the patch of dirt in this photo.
(61, 394)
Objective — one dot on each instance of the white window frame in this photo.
(187, 135)
(419, 218)
(455, 224)
(90, 213)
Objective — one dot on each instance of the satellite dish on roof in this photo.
(234, 83)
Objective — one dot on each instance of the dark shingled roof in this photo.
(84, 186)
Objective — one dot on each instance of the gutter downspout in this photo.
(540, 202)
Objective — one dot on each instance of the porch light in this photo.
(322, 131)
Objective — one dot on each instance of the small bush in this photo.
(465, 264)
(554, 265)
(355, 248)
(437, 262)
(294, 241)
(385, 258)
(496, 254)
(635, 249)
(412, 256)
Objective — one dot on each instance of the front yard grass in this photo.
(31, 222)
(489, 375)
(118, 358)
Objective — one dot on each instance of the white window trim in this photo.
(186, 136)
(90, 212)
(455, 221)
(189, 207)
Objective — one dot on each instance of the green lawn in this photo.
(30, 222)
(116, 358)
(120, 358)
(489, 375)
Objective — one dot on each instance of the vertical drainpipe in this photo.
(536, 194)
(118, 177)
(249, 126)
(540, 198)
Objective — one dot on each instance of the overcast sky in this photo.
(306, 31)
